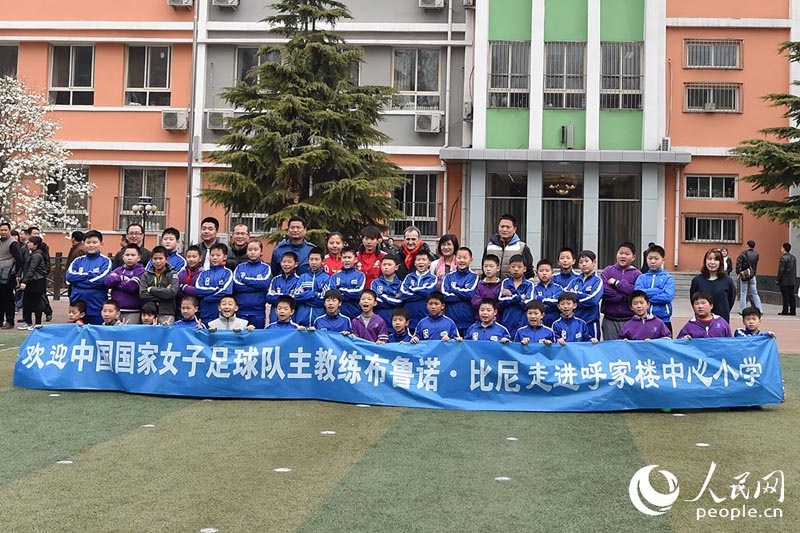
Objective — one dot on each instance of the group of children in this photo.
(561, 307)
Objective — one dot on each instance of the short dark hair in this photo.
(219, 246)
(333, 294)
(316, 251)
(488, 301)
(491, 257)
(370, 292)
(286, 299)
(750, 311)
(77, 235)
(400, 311)
(348, 250)
(93, 233)
(516, 258)
(128, 228)
(787, 246)
(564, 296)
(435, 295)
(751, 244)
(4, 223)
(536, 304)
(132, 246)
(212, 220)
(297, 218)
(629, 245)
(566, 249)
(508, 216)
(370, 231)
(640, 294)
(149, 308)
(112, 301)
(588, 254)
(80, 305)
(172, 231)
(464, 249)
(291, 255)
(543, 262)
(160, 250)
(191, 298)
(194, 248)
(391, 257)
(231, 296)
(654, 248)
(702, 296)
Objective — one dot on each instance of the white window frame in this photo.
(509, 89)
(716, 223)
(413, 104)
(568, 72)
(261, 59)
(711, 178)
(70, 88)
(12, 69)
(149, 91)
(256, 223)
(713, 100)
(429, 209)
(80, 207)
(626, 97)
(161, 202)
(691, 58)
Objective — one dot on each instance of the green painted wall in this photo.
(510, 20)
(565, 20)
(507, 128)
(552, 120)
(622, 20)
(620, 130)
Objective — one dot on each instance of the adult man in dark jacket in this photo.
(134, 234)
(412, 246)
(506, 244)
(10, 268)
(748, 259)
(787, 276)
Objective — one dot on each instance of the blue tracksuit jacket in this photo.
(175, 259)
(388, 297)
(513, 305)
(86, 275)
(290, 324)
(659, 285)
(563, 280)
(351, 282)
(335, 323)
(281, 285)
(399, 337)
(589, 290)
(310, 304)
(548, 294)
(435, 327)
(212, 285)
(250, 283)
(414, 292)
(493, 332)
(458, 288)
(535, 334)
(571, 330)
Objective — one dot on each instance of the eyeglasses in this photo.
(135, 233)
(240, 233)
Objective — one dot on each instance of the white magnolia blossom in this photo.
(33, 162)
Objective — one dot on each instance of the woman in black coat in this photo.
(34, 284)
(714, 281)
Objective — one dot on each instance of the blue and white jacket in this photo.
(435, 328)
(563, 280)
(281, 285)
(250, 283)
(492, 332)
(534, 334)
(211, 286)
(86, 275)
(414, 292)
(388, 297)
(458, 288)
(571, 329)
(309, 297)
(743, 332)
(589, 291)
(399, 337)
(548, 294)
(175, 259)
(513, 305)
(336, 323)
(351, 283)
(659, 285)
(278, 324)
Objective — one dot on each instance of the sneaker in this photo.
(25, 327)
(7, 325)
(49, 317)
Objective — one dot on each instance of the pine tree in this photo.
(302, 145)
(777, 156)
(37, 187)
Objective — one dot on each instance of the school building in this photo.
(593, 121)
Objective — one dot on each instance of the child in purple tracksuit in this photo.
(368, 325)
(704, 324)
(643, 326)
(124, 284)
(618, 281)
(489, 286)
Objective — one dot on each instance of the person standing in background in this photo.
(787, 276)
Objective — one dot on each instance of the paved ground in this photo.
(787, 329)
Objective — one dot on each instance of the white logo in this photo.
(641, 488)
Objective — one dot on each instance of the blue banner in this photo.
(469, 375)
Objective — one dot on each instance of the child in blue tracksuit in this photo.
(387, 287)
(416, 287)
(487, 328)
(283, 284)
(86, 277)
(569, 328)
(658, 284)
(535, 331)
(284, 309)
(214, 283)
(250, 283)
(332, 320)
(514, 294)
(350, 282)
(751, 317)
(566, 262)
(435, 326)
(547, 291)
(458, 287)
(399, 331)
(589, 291)
(309, 292)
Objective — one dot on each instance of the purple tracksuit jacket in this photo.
(716, 327)
(641, 329)
(374, 330)
(617, 297)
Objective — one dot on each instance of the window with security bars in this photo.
(621, 82)
(417, 201)
(9, 55)
(415, 78)
(509, 74)
(139, 182)
(711, 187)
(255, 222)
(723, 228)
(565, 75)
(248, 58)
(713, 53)
(713, 97)
(148, 76)
(72, 75)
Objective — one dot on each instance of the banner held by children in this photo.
(469, 375)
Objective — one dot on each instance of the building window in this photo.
(72, 75)
(565, 75)
(9, 56)
(622, 76)
(248, 58)
(255, 222)
(713, 97)
(713, 53)
(620, 208)
(711, 187)
(138, 182)
(509, 74)
(148, 76)
(704, 228)
(562, 207)
(506, 192)
(416, 79)
(417, 201)
(77, 205)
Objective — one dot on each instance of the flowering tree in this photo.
(37, 185)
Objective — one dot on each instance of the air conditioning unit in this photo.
(233, 4)
(174, 119)
(469, 3)
(467, 115)
(180, 3)
(218, 120)
(666, 144)
(710, 106)
(428, 122)
(431, 4)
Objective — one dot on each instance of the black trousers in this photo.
(7, 299)
(789, 301)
